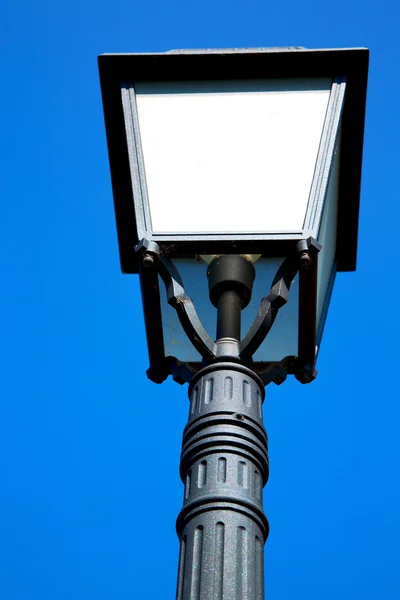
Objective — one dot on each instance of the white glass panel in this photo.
(282, 339)
(236, 156)
(327, 237)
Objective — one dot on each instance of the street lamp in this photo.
(236, 174)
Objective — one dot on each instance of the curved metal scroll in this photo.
(160, 365)
(269, 307)
(180, 301)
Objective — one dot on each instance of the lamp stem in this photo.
(224, 465)
(230, 281)
(228, 316)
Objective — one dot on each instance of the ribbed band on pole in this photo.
(224, 466)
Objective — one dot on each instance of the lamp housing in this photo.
(236, 151)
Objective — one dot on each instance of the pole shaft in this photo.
(224, 465)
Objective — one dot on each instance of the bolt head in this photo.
(147, 261)
(305, 260)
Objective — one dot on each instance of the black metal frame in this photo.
(304, 260)
(348, 70)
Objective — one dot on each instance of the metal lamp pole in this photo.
(150, 106)
(224, 462)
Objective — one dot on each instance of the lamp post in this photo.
(236, 175)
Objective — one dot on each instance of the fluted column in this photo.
(224, 467)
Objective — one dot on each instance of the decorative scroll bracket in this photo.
(152, 264)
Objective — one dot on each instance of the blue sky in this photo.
(89, 449)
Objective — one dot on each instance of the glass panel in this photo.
(327, 237)
(235, 156)
(282, 339)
